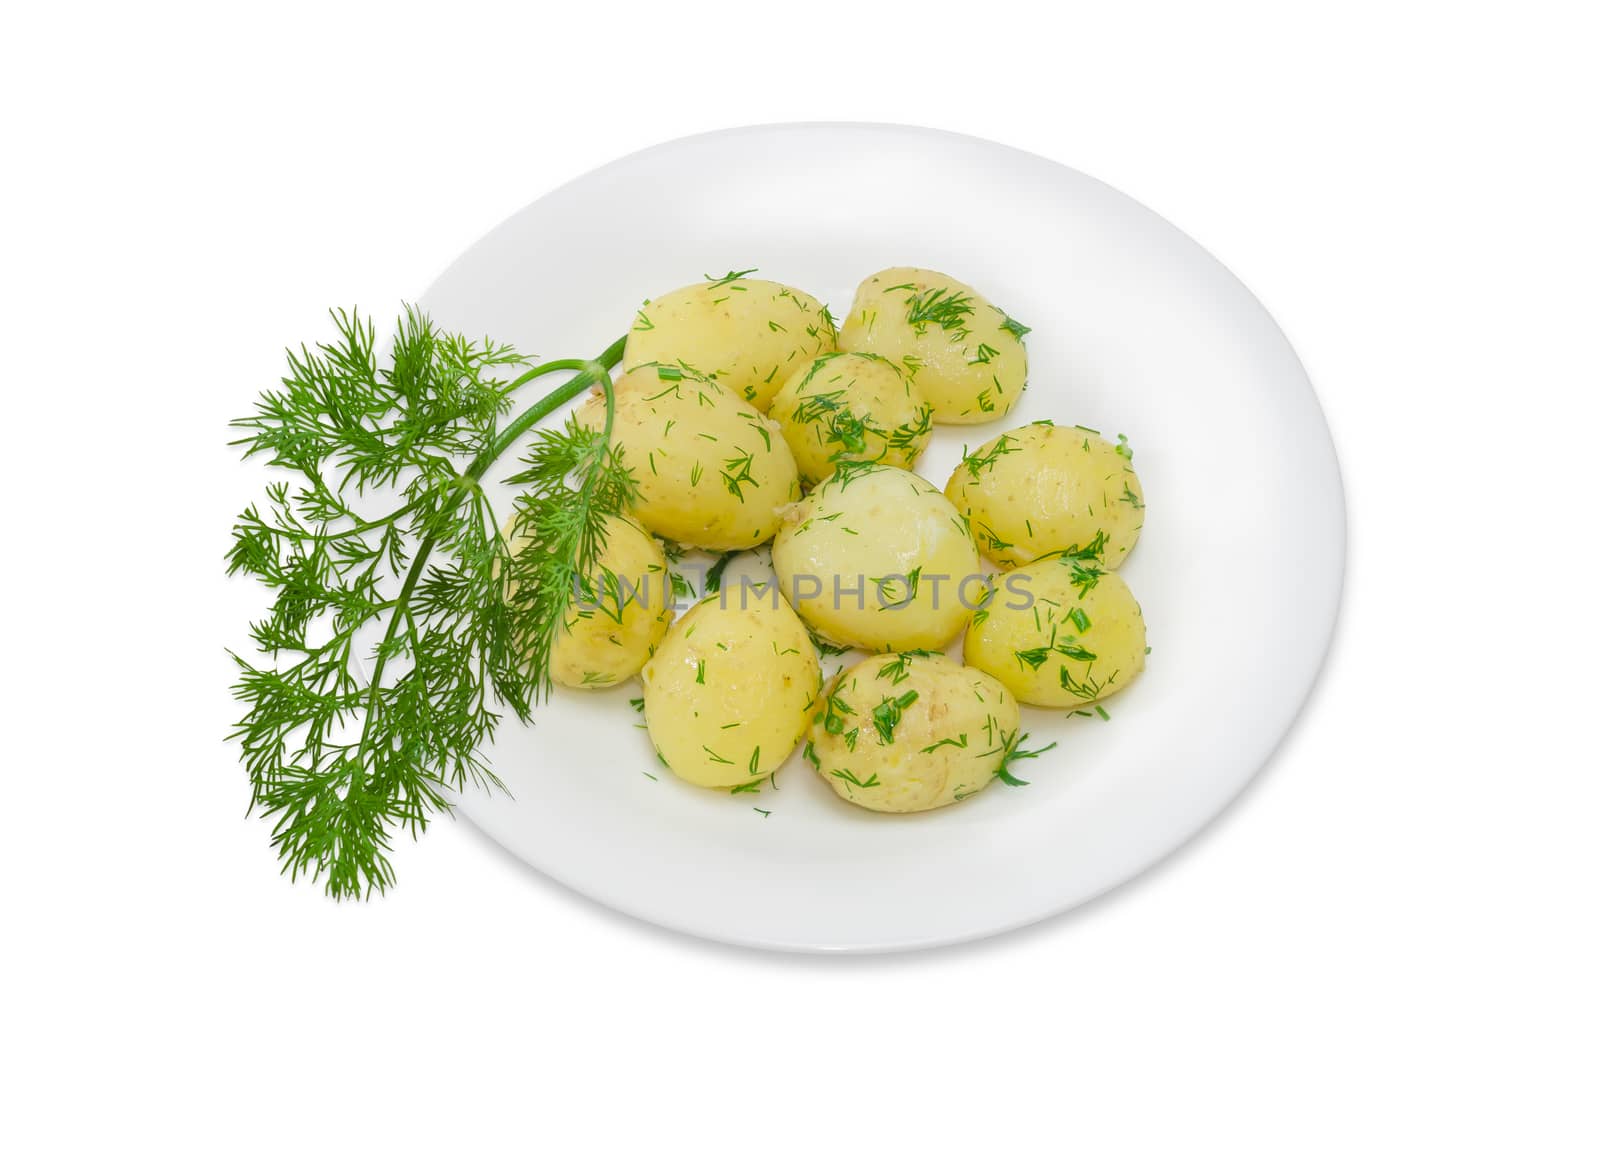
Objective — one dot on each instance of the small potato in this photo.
(748, 335)
(912, 731)
(962, 352)
(614, 624)
(729, 694)
(851, 408)
(1042, 488)
(1062, 633)
(877, 558)
(712, 471)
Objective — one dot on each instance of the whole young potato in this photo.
(729, 694)
(1062, 632)
(912, 731)
(851, 408)
(619, 615)
(748, 335)
(962, 352)
(712, 471)
(877, 558)
(1043, 488)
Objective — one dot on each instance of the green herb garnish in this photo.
(346, 744)
(824, 648)
(738, 473)
(715, 571)
(1011, 326)
(1011, 752)
(837, 709)
(731, 276)
(940, 308)
(887, 713)
(851, 779)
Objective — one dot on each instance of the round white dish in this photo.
(1137, 330)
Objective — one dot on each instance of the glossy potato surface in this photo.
(619, 617)
(747, 334)
(877, 558)
(1044, 488)
(851, 408)
(729, 694)
(712, 471)
(1062, 633)
(904, 733)
(962, 352)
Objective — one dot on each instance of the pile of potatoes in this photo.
(748, 417)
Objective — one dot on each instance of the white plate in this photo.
(1136, 329)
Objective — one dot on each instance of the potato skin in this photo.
(853, 408)
(963, 353)
(897, 539)
(712, 471)
(729, 694)
(747, 334)
(1062, 633)
(1044, 488)
(592, 649)
(929, 706)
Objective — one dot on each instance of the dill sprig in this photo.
(393, 638)
(575, 485)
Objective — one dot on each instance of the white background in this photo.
(1382, 958)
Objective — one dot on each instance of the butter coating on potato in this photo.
(1044, 488)
(911, 732)
(1062, 633)
(962, 352)
(851, 408)
(877, 558)
(747, 334)
(712, 471)
(729, 694)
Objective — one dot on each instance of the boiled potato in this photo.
(729, 694)
(1063, 632)
(613, 625)
(844, 408)
(748, 335)
(712, 471)
(910, 732)
(1043, 488)
(877, 558)
(962, 352)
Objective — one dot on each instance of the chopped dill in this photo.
(886, 715)
(941, 308)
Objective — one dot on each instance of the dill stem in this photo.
(589, 372)
(353, 531)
